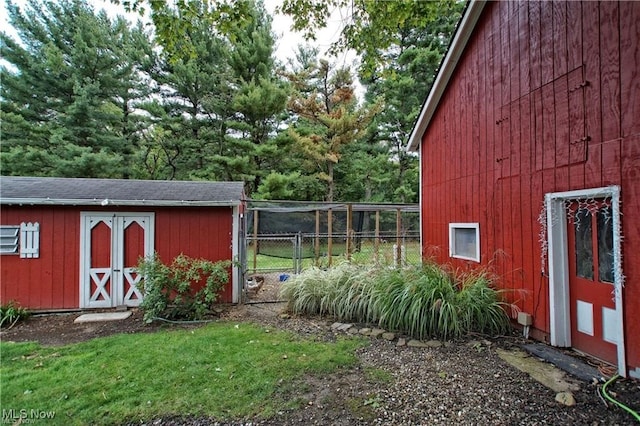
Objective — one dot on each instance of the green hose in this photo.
(619, 404)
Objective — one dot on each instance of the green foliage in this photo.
(373, 26)
(11, 313)
(224, 370)
(71, 81)
(186, 289)
(326, 117)
(421, 302)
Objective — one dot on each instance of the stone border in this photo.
(380, 333)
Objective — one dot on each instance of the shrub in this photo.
(11, 313)
(170, 290)
(422, 302)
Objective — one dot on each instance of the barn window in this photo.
(9, 239)
(464, 241)
(23, 240)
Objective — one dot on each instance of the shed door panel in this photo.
(112, 246)
(100, 273)
(133, 249)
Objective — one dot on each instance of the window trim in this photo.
(452, 249)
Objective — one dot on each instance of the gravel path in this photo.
(463, 383)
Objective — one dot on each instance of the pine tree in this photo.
(69, 91)
(327, 117)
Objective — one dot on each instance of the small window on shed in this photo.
(9, 239)
(464, 241)
(23, 240)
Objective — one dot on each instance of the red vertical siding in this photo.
(195, 232)
(52, 281)
(545, 98)
(630, 72)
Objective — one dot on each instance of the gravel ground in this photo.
(463, 383)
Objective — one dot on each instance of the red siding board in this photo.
(559, 38)
(535, 53)
(546, 42)
(574, 35)
(505, 78)
(631, 238)
(630, 67)
(524, 40)
(591, 55)
(548, 128)
(610, 70)
(52, 280)
(611, 163)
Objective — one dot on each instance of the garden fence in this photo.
(282, 241)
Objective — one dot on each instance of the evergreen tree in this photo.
(261, 94)
(69, 91)
(403, 74)
(326, 117)
(220, 97)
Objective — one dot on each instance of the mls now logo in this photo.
(26, 416)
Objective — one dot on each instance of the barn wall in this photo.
(205, 233)
(52, 280)
(545, 98)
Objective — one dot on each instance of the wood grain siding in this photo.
(52, 280)
(545, 98)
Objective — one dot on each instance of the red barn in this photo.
(74, 243)
(530, 154)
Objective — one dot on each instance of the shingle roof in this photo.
(83, 191)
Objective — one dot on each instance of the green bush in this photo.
(421, 301)
(11, 313)
(170, 290)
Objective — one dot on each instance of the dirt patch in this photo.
(461, 383)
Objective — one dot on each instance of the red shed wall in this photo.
(52, 280)
(517, 122)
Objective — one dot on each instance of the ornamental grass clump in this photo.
(429, 302)
(423, 302)
(316, 291)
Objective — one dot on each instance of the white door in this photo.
(110, 247)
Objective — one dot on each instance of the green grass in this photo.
(366, 255)
(223, 370)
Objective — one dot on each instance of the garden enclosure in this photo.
(284, 238)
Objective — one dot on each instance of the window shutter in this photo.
(30, 240)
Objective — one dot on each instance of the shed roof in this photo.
(448, 66)
(118, 192)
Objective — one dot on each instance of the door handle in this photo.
(117, 270)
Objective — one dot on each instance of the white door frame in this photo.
(559, 305)
(118, 223)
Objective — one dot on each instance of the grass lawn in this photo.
(224, 370)
(366, 255)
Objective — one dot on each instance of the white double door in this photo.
(111, 245)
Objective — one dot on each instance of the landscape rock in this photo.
(401, 342)
(344, 327)
(377, 332)
(365, 331)
(389, 336)
(416, 344)
(566, 398)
